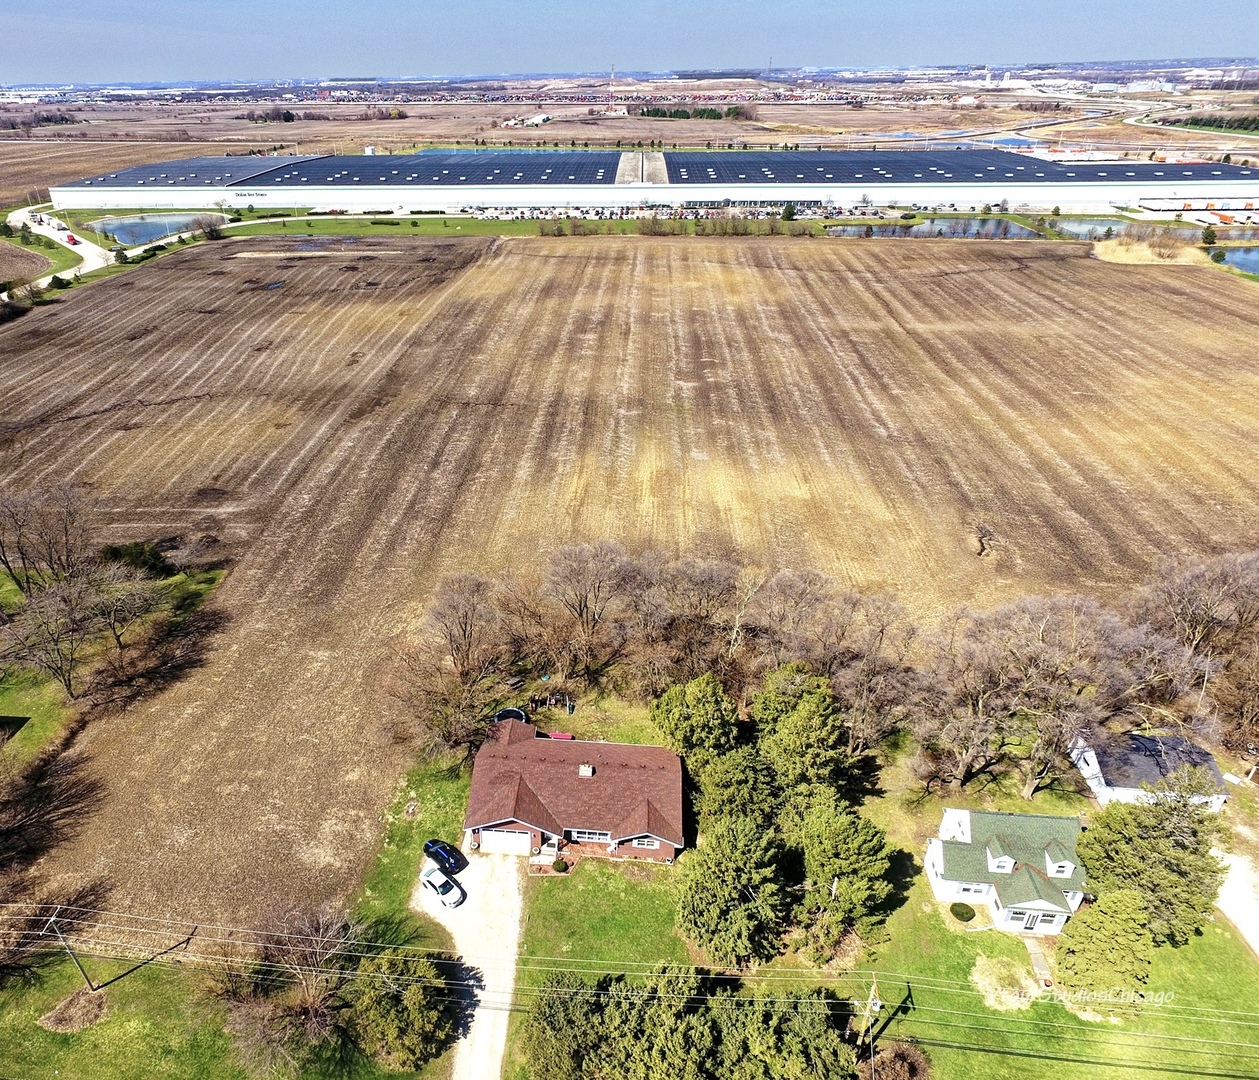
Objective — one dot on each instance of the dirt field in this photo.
(29, 166)
(19, 262)
(395, 409)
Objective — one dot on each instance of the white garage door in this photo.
(504, 842)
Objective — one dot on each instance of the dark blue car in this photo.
(445, 855)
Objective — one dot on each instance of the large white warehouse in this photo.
(575, 179)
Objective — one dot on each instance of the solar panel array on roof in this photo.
(924, 166)
(480, 168)
(427, 169)
(192, 172)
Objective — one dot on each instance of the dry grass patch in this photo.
(1006, 984)
(1158, 251)
(76, 1013)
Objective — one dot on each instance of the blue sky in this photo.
(176, 40)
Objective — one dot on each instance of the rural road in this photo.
(93, 257)
(1239, 897)
(486, 933)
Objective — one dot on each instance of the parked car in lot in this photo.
(447, 890)
(445, 855)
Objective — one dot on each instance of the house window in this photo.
(589, 836)
(1018, 914)
(967, 889)
(646, 842)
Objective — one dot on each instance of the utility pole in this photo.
(867, 1016)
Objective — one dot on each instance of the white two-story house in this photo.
(1022, 867)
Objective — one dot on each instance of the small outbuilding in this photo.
(534, 794)
(1116, 767)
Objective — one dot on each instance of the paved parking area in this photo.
(486, 933)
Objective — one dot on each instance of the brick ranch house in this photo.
(537, 795)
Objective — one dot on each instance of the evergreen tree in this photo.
(400, 1010)
(698, 721)
(793, 1036)
(730, 899)
(1107, 947)
(1162, 849)
(783, 689)
(738, 783)
(846, 865)
(563, 1029)
(809, 744)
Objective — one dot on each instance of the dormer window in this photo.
(1000, 857)
(1058, 863)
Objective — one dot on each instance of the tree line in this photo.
(983, 692)
(1225, 122)
(682, 1022)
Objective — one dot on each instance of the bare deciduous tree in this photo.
(53, 628)
(1212, 607)
(124, 598)
(45, 535)
(586, 579)
(464, 618)
(1038, 673)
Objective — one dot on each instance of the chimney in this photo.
(585, 770)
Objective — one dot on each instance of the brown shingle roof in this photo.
(634, 789)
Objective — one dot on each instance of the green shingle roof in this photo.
(998, 848)
(1058, 852)
(1026, 885)
(1025, 837)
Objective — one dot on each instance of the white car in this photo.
(447, 890)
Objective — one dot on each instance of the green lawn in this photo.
(611, 913)
(26, 693)
(1193, 1035)
(156, 1026)
(611, 719)
(62, 259)
(439, 791)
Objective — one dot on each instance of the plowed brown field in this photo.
(395, 409)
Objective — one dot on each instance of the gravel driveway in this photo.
(1239, 897)
(486, 932)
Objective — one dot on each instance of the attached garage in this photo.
(504, 842)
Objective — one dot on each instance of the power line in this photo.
(126, 950)
(1010, 1026)
(246, 937)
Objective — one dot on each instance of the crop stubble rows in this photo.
(395, 409)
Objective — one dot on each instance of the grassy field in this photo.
(350, 418)
(612, 914)
(23, 693)
(438, 792)
(155, 1026)
(1198, 1033)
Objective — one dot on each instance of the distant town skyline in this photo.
(87, 41)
